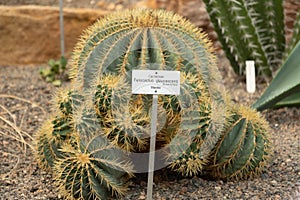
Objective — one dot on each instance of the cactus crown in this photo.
(134, 39)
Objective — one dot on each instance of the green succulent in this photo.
(244, 149)
(55, 73)
(250, 30)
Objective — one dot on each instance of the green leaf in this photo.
(55, 68)
(56, 83)
(49, 79)
(293, 100)
(45, 72)
(285, 83)
(63, 63)
(51, 62)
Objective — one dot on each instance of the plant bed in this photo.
(27, 181)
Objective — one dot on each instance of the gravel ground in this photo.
(27, 181)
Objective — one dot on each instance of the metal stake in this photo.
(62, 33)
(152, 147)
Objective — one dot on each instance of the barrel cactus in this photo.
(50, 138)
(244, 148)
(150, 40)
(100, 125)
(92, 171)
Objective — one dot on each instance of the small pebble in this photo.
(218, 188)
(273, 182)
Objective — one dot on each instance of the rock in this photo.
(273, 182)
(218, 188)
(31, 34)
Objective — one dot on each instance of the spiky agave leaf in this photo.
(96, 170)
(244, 149)
(249, 30)
(285, 86)
(295, 37)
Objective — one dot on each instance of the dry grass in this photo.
(12, 122)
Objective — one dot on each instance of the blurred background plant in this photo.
(284, 89)
(255, 30)
(55, 73)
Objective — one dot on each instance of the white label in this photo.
(155, 82)
(250, 76)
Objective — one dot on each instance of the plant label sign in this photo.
(155, 82)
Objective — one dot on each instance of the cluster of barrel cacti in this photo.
(97, 122)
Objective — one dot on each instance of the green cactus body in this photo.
(141, 39)
(147, 40)
(185, 157)
(244, 148)
(68, 101)
(95, 171)
(50, 138)
(62, 127)
(103, 99)
(124, 120)
(250, 30)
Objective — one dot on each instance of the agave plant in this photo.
(254, 30)
(250, 30)
(284, 90)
